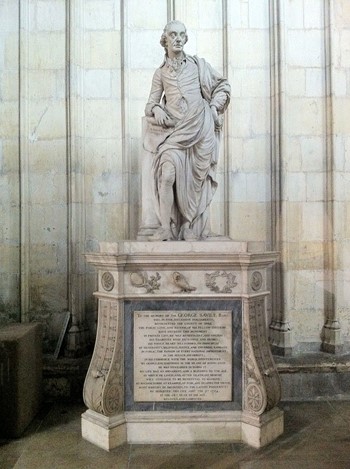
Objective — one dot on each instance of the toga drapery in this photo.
(192, 145)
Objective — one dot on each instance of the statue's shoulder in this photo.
(194, 59)
(201, 63)
(199, 60)
(162, 64)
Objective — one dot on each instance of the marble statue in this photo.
(185, 116)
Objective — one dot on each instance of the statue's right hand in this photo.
(160, 116)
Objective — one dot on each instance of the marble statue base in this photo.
(181, 427)
(181, 353)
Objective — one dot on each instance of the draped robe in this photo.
(192, 144)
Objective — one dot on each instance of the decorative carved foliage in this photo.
(262, 387)
(140, 280)
(107, 281)
(103, 388)
(211, 281)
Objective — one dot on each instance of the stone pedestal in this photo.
(150, 221)
(181, 352)
(20, 377)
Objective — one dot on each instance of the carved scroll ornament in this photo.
(103, 388)
(261, 381)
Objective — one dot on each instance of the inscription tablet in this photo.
(182, 356)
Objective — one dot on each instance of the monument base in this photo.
(102, 431)
(181, 353)
(259, 431)
(181, 428)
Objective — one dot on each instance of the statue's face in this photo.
(176, 38)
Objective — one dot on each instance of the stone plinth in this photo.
(20, 377)
(181, 351)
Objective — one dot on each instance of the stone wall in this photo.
(75, 77)
(9, 164)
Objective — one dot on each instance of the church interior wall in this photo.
(75, 77)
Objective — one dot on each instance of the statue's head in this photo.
(174, 36)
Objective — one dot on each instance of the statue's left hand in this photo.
(221, 100)
(214, 112)
(218, 121)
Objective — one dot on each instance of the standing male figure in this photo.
(187, 99)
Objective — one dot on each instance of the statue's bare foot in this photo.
(161, 234)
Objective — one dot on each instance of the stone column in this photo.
(280, 334)
(42, 159)
(332, 341)
(77, 339)
(12, 251)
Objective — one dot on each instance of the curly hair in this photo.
(163, 37)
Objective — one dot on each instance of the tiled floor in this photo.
(317, 436)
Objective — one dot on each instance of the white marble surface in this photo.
(173, 247)
(134, 271)
(105, 432)
(263, 430)
(181, 427)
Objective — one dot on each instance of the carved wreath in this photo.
(140, 280)
(210, 281)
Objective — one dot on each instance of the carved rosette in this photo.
(256, 281)
(262, 387)
(103, 388)
(107, 281)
